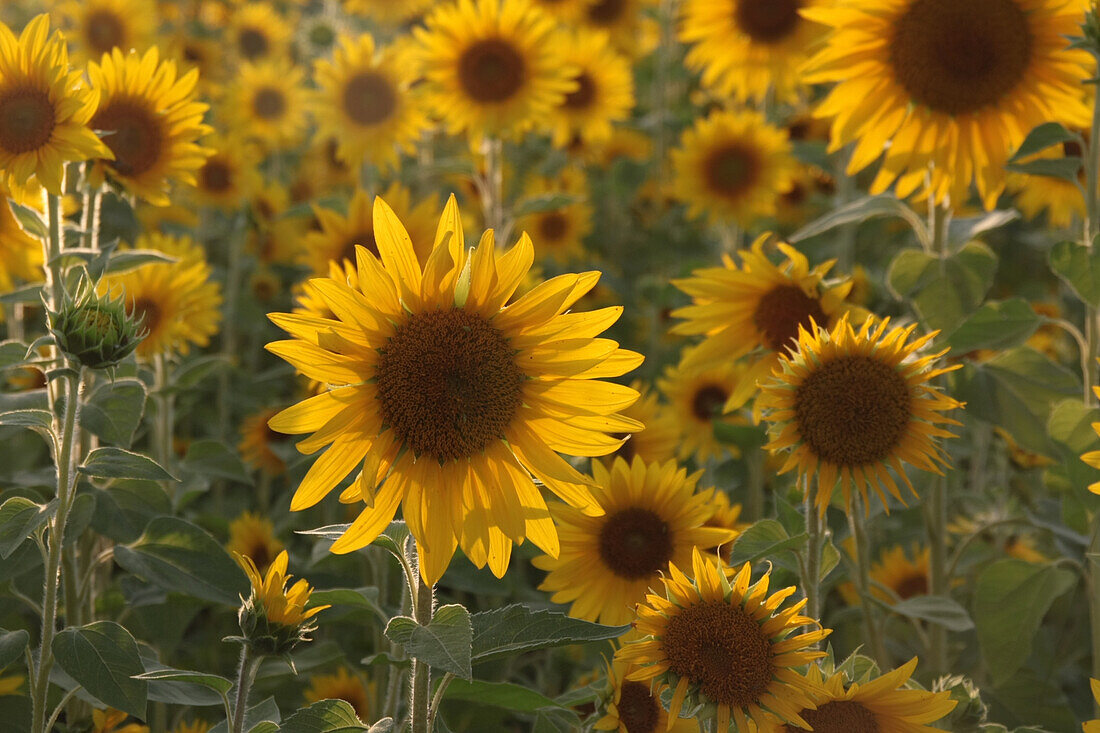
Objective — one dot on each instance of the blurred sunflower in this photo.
(633, 708)
(955, 86)
(204, 53)
(1060, 199)
(255, 445)
(20, 253)
(621, 20)
(110, 720)
(230, 175)
(1092, 458)
(100, 26)
(267, 102)
(258, 31)
(340, 686)
(624, 143)
(560, 231)
(178, 302)
(195, 726)
(748, 48)
(366, 103)
(10, 685)
(659, 440)
(732, 166)
(44, 108)
(492, 67)
(319, 171)
(151, 121)
(697, 396)
(727, 515)
(451, 400)
(652, 516)
(604, 94)
(847, 404)
(895, 576)
(725, 643)
(253, 536)
(386, 12)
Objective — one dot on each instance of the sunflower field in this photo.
(550, 366)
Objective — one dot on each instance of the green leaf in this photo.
(265, 726)
(517, 628)
(123, 509)
(114, 410)
(1070, 429)
(934, 609)
(499, 695)
(12, 646)
(963, 229)
(31, 221)
(765, 538)
(744, 436)
(1066, 169)
(113, 462)
(324, 716)
(103, 657)
(445, 643)
(130, 259)
(997, 326)
(385, 725)
(37, 420)
(177, 555)
(194, 371)
(860, 210)
(19, 519)
(214, 458)
(253, 716)
(365, 599)
(28, 295)
(946, 291)
(1011, 597)
(1042, 137)
(1079, 269)
(12, 353)
(221, 685)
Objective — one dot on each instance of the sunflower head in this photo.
(342, 685)
(631, 707)
(273, 618)
(95, 329)
(253, 536)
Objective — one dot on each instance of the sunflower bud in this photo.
(95, 330)
(970, 713)
(273, 619)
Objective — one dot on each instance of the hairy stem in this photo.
(246, 675)
(871, 622)
(421, 672)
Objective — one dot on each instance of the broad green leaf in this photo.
(19, 519)
(765, 538)
(1066, 169)
(12, 646)
(253, 716)
(946, 291)
(997, 326)
(114, 410)
(214, 458)
(124, 509)
(1042, 137)
(743, 436)
(445, 643)
(266, 726)
(41, 420)
(1070, 429)
(28, 295)
(1011, 597)
(860, 210)
(517, 628)
(385, 725)
(215, 682)
(103, 657)
(1079, 269)
(934, 609)
(324, 716)
(112, 462)
(194, 371)
(80, 517)
(31, 221)
(499, 694)
(12, 353)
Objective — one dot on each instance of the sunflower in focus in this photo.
(255, 445)
(386, 12)
(659, 440)
(633, 708)
(604, 93)
(446, 401)
(258, 32)
(281, 606)
(894, 576)
(178, 303)
(560, 231)
(848, 404)
(951, 88)
(732, 166)
(100, 26)
(652, 515)
(492, 67)
(253, 536)
(725, 644)
(697, 396)
(267, 102)
(748, 48)
(230, 175)
(152, 123)
(20, 253)
(44, 108)
(340, 686)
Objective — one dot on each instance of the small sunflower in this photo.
(947, 89)
(258, 31)
(895, 576)
(652, 515)
(604, 93)
(270, 597)
(697, 397)
(386, 12)
(98, 27)
(732, 166)
(151, 121)
(366, 103)
(267, 102)
(253, 536)
(178, 302)
(748, 48)
(633, 708)
(492, 67)
(319, 171)
(446, 401)
(659, 440)
(340, 686)
(44, 108)
(560, 231)
(624, 143)
(20, 253)
(230, 175)
(191, 51)
(847, 404)
(882, 704)
(727, 645)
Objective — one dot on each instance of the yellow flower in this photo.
(255, 449)
(604, 94)
(907, 81)
(279, 605)
(621, 20)
(258, 31)
(726, 644)
(559, 231)
(195, 726)
(652, 515)
(1060, 199)
(10, 685)
(109, 720)
(1093, 457)
(267, 103)
(1093, 726)
(451, 400)
(253, 536)
(340, 686)
(697, 396)
(387, 12)
(894, 576)
(847, 404)
(633, 708)
(230, 175)
(44, 108)
(659, 440)
(98, 27)
(20, 253)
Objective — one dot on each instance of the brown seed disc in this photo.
(583, 96)
(147, 312)
(216, 176)
(491, 70)
(838, 716)
(605, 12)
(369, 98)
(27, 120)
(731, 169)
(553, 226)
(269, 104)
(912, 585)
(708, 401)
(781, 311)
(638, 709)
(103, 31)
(767, 21)
(252, 43)
(635, 543)
(136, 135)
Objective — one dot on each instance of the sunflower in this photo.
(178, 302)
(195, 726)
(492, 67)
(152, 123)
(633, 708)
(320, 170)
(652, 515)
(110, 720)
(230, 175)
(1093, 457)
(757, 308)
(255, 445)
(20, 253)
(894, 576)
(560, 231)
(267, 102)
(191, 51)
(847, 404)
(1060, 199)
(732, 166)
(697, 397)
(604, 94)
(622, 21)
(258, 31)
(10, 685)
(280, 606)
(340, 686)
(100, 26)
(947, 85)
(624, 143)
(659, 440)
(44, 108)
(387, 12)
(449, 399)
(253, 537)
(726, 645)
(366, 103)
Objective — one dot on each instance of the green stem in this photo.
(421, 671)
(811, 577)
(246, 675)
(857, 525)
(754, 504)
(229, 326)
(166, 419)
(1089, 368)
(492, 186)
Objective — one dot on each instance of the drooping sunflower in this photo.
(178, 302)
(230, 175)
(746, 48)
(492, 67)
(447, 401)
(258, 31)
(267, 102)
(659, 440)
(100, 26)
(151, 121)
(366, 103)
(20, 253)
(652, 515)
(732, 166)
(560, 231)
(697, 396)
(882, 705)
(895, 576)
(280, 605)
(758, 307)
(727, 645)
(44, 108)
(847, 404)
(947, 85)
(633, 708)
(340, 686)
(253, 536)
(604, 94)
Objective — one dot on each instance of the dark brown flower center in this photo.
(553, 225)
(363, 239)
(838, 716)
(638, 709)
(767, 21)
(135, 135)
(104, 31)
(912, 585)
(269, 104)
(853, 410)
(216, 176)
(27, 119)
(731, 170)
(723, 650)
(369, 98)
(147, 312)
(781, 311)
(491, 70)
(252, 43)
(605, 12)
(708, 401)
(635, 543)
(584, 95)
(448, 384)
(958, 57)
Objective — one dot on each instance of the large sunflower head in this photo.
(44, 108)
(732, 166)
(950, 88)
(258, 31)
(97, 27)
(652, 516)
(492, 67)
(151, 121)
(848, 404)
(697, 396)
(342, 685)
(727, 645)
(267, 102)
(604, 93)
(253, 536)
(633, 708)
(447, 401)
